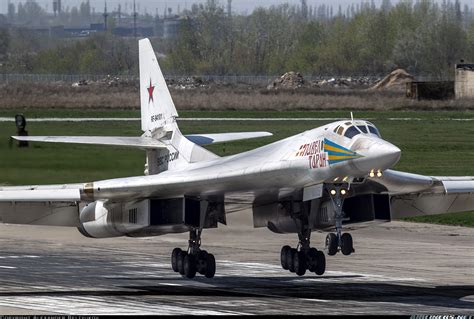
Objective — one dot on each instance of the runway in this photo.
(398, 268)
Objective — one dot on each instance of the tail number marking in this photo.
(156, 117)
(167, 158)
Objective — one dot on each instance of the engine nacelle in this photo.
(149, 217)
(277, 216)
(98, 220)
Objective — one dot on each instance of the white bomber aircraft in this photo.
(327, 178)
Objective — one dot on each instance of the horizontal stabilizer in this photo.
(126, 141)
(207, 139)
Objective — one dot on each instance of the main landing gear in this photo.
(303, 257)
(298, 261)
(338, 241)
(194, 260)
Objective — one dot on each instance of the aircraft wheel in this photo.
(174, 259)
(346, 244)
(201, 262)
(189, 265)
(290, 256)
(180, 261)
(210, 266)
(284, 257)
(311, 259)
(299, 263)
(331, 244)
(320, 263)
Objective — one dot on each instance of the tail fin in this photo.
(159, 119)
(157, 107)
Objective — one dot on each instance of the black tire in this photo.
(331, 244)
(180, 261)
(284, 257)
(299, 263)
(174, 259)
(346, 244)
(311, 259)
(201, 262)
(210, 266)
(189, 266)
(320, 263)
(290, 258)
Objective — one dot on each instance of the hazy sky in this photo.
(151, 5)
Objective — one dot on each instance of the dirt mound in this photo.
(289, 80)
(394, 80)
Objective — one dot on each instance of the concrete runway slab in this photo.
(398, 268)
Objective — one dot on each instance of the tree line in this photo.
(424, 36)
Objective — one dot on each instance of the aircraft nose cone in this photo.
(379, 155)
(387, 154)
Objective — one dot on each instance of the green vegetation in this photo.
(454, 219)
(431, 146)
(421, 36)
(434, 147)
(424, 37)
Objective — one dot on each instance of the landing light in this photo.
(371, 174)
(343, 192)
(333, 192)
(379, 173)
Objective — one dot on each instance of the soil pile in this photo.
(395, 80)
(289, 80)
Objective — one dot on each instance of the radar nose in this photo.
(379, 155)
(387, 154)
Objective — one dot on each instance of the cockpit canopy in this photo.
(351, 129)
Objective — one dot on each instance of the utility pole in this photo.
(105, 16)
(134, 20)
(229, 8)
(119, 13)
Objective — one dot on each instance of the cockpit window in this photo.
(373, 130)
(340, 130)
(351, 132)
(335, 130)
(363, 128)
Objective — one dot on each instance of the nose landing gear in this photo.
(338, 241)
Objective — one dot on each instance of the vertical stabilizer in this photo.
(157, 107)
(159, 119)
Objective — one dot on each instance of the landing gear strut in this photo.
(338, 241)
(194, 260)
(303, 257)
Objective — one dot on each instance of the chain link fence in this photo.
(231, 79)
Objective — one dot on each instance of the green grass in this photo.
(454, 219)
(430, 147)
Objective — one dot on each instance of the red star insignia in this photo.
(150, 92)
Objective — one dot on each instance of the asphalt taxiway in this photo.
(398, 268)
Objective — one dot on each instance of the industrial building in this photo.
(464, 80)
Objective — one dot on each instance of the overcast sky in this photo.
(240, 6)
